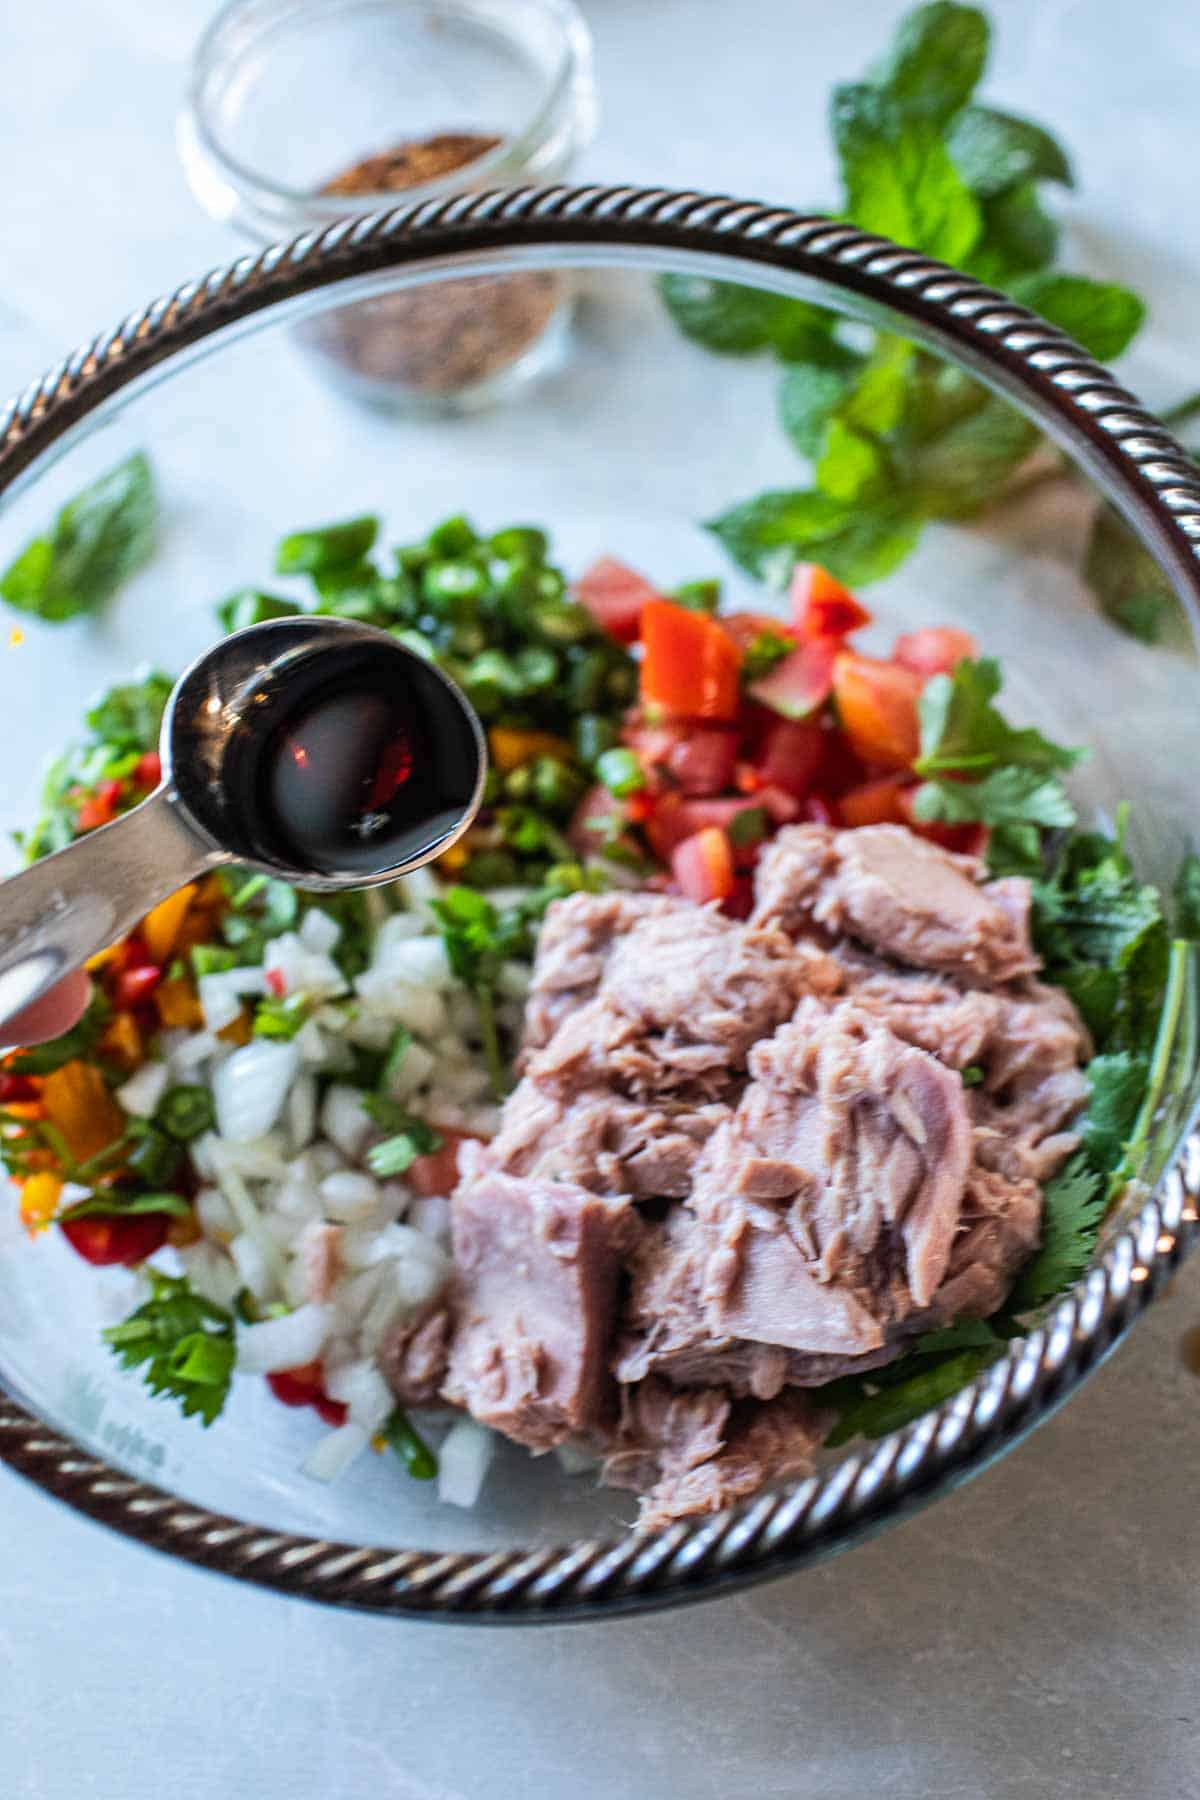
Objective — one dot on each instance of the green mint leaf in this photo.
(995, 151)
(326, 547)
(877, 399)
(1103, 316)
(1118, 1083)
(1187, 898)
(935, 60)
(965, 467)
(1132, 590)
(1074, 1207)
(1008, 796)
(1018, 237)
(98, 540)
(898, 177)
(249, 606)
(721, 315)
(809, 395)
(851, 466)
(962, 730)
(769, 534)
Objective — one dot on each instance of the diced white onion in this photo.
(360, 1386)
(250, 1087)
(416, 1066)
(431, 1217)
(463, 1462)
(221, 994)
(301, 1113)
(310, 1042)
(343, 1120)
(334, 1454)
(318, 932)
(302, 971)
(284, 1343)
(398, 998)
(423, 961)
(141, 1094)
(253, 1266)
(247, 1213)
(513, 980)
(214, 1216)
(419, 887)
(349, 1195)
(213, 1275)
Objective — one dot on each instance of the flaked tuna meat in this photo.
(860, 1141)
(698, 1452)
(536, 1267)
(667, 1330)
(684, 995)
(901, 896)
(574, 944)
(413, 1356)
(603, 1142)
(1000, 1229)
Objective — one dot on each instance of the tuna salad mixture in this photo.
(768, 1055)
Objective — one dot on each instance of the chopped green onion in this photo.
(185, 1111)
(409, 1446)
(621, 772)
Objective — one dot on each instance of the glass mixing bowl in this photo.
(626, 449)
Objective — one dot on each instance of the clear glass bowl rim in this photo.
(1135, 463)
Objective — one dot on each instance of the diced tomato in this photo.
(596, 819)
(877, 708)
(821, 606)
(935, 650)
(334, 1412)
(877, 802)
(276, 982)
(301, 1386)
(615, 594)
(690, 664)
(799, 685)
(780, 807)
(704, 760)
(819, 809)
(739, 903)
(437, 1173)
(674, 818)
(790, 754)
(15, 1089)
(703, 865)
(127, 1239)
(965, 840)
(745, 628)
(95, 812)
(133, 987)
(147, 771)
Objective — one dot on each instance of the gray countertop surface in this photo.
(1036, 1634)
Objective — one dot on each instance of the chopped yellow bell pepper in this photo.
(240, 1030)
(455, 858)
(160, 928)
(183, 1231)
(178, 1005)
(80, 1105)
(40, 1195)
(122, 1041)
(510, 747)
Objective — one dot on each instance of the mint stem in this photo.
(1178, 973)
(1182, 411)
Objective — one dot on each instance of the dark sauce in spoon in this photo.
(372, 765)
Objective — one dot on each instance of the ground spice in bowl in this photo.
(447, 346)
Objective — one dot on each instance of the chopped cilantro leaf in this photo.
(183, 1344)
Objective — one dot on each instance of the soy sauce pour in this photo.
(316, 750)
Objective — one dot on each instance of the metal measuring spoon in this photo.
(264, 758)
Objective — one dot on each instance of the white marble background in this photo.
(1036, 1635)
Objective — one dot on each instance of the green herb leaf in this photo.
(326, 547)
(411, 1137)
(1073, 1212)
(1007, 796)
(1015, 850)
(1118, 1083)
(996, 151)
(282, 1018)
(248, 606)
(965, 466)
(112, 1204)
(129, 718)
(897, 174)
(732, 320)
(962, 730)
(1131, 588)
(930, 1382)
(768, 535)
(1187, 898)
(851, 466)
(183, 1344)
(936, 60)
(1018, 237)
(809, 395)
(98, 540)
(1103, 316)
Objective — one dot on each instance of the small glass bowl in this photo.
(288, 97)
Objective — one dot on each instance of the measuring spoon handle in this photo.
(62, 910)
